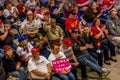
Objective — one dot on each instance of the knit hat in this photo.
(7, 47)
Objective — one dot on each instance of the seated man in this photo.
(54, 32)
(12, 64)
(39, 41)
(95, 52)
(39, 67)
(56, 54)
(66, 48)
(80, 49)
(113, 26)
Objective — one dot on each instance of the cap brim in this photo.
(32, 32)
(70, 45)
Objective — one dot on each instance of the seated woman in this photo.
(88, 37)
(12, 64)
(101, 38)
(92, 12)
(30, 23)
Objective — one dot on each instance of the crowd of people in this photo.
(70, 33)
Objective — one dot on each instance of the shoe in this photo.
(104, 70)
(105, 74)
(114, 60)
(107, 62)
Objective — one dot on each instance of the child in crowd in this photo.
(24, 49)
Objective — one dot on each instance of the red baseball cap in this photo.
(68, 42)
(47, 12)
(35, 50)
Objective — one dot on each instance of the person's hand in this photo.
(11, 33)
(26, 59)
(45, 39)
(67, 71)
(61, 5)
(75, 64)
(87, 46)
(24, 9)
(6, 29)
(101, 11)
(103, 28)
(47, 76)
(41, 42)
(17, 67)
(91, 46)
(60, 41)
(14, 9)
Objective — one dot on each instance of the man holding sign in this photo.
(60, 63)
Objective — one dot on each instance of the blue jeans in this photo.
(106, 47)
(19, 74)
(88, 60)
(68, 76)
(1, 54)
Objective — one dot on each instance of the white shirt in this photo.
(31, 5)
(7, 12)
(24, 53)
(40, 64)
(52, 56)
(36, 23)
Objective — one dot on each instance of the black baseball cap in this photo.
(73, 12)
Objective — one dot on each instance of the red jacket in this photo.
(95, 31)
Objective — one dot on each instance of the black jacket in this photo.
(9, 64)
(77, 45)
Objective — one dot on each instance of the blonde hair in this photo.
(50, 1)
